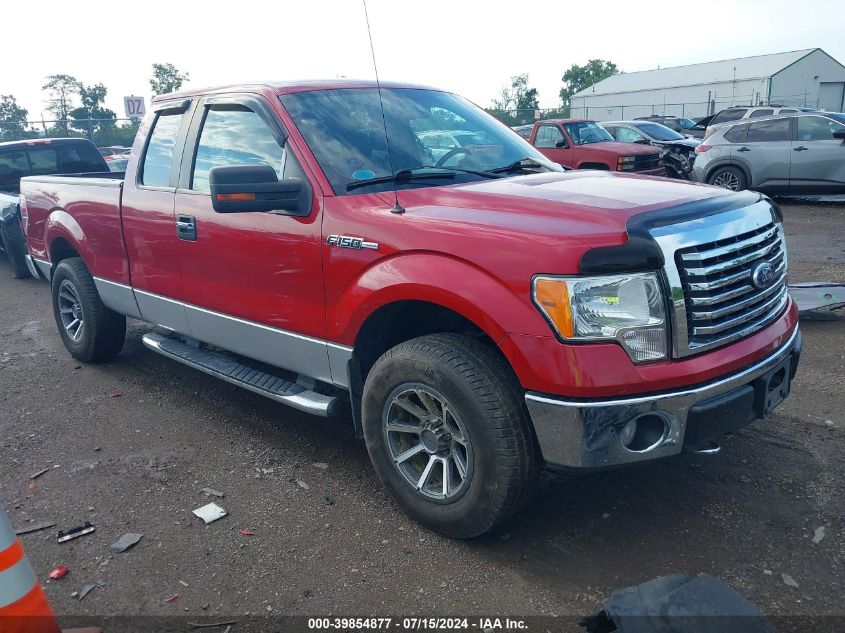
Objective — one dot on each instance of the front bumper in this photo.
(586, 433)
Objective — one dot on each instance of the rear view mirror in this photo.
(840, 135)
(247, 188)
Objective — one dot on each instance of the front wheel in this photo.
(448, 433)
(90, 331)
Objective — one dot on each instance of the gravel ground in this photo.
(130, 444)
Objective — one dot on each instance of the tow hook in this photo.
(708, 448)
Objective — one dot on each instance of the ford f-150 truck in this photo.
(479, 314)
(584, 144)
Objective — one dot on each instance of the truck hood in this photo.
(590, 206)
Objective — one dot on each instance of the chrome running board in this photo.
(221, 365)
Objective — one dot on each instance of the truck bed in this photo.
(74, 206)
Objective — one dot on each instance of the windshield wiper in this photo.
(517, 165)
(424, 172)
(402, 174)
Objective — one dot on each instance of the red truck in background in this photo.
(478, 314)
(584, 144)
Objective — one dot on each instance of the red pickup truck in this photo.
(584, 144)
(478, 314)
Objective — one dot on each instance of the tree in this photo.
(517, 96)
(12, 119)
(579, 77)
(167, 78)
(61, 90)
(92, 118)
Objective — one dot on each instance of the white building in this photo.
(809, 78)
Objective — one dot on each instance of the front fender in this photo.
(455, 284)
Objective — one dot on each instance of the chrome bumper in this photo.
(586, 434)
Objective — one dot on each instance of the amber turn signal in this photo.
(552, 296)
(235, 197)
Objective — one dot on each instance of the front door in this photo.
(551, 142)
(818, 159)
(252, 282)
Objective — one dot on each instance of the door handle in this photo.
(186, 228)
(800, 148)
(744, 149)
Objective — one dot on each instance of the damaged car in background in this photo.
(679, 154)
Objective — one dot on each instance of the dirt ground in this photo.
(130, 444)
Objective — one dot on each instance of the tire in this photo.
(500, 454)
(100, 333)
(729, 177)
(15, 251)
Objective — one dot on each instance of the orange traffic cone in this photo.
(23, 605)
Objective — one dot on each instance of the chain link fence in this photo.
(102, 132)
(592, 108)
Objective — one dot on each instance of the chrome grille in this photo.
(722, 303)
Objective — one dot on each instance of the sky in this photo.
(471, 47)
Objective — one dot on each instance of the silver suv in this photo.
(795, 153)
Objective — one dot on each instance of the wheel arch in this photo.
(594, 165)
(729, 162)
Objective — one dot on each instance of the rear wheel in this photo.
(90, 331)
(449, 435)
(732, 178)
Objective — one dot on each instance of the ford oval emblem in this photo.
(763, 275)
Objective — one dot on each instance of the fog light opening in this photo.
(777, 380)
(644, 433)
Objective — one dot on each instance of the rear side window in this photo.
(232, 136)
(768, 131)
(728, 115)
(13, 166)
(737, 134)
(758, 113)
(155, 172)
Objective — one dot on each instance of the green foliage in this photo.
(517, 96)
(167, 78)
(12, 119)
(516, 102)
(61, 90)
(579, 77)
(92, 118)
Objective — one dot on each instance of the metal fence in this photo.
(102, 132)
(592, 108)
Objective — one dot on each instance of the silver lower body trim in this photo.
(586, 434)
(118, 297)
(38, 268)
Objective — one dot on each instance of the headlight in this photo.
(625, 308)
(625, 163)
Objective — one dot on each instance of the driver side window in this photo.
(548, 136)
(234, 135)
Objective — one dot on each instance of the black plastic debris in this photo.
(125, 542)
(76, 532)
(678, 604)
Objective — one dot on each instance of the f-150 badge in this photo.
(346, 241)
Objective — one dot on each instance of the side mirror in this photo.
(561, 143)
(840, 135)
(250, 188)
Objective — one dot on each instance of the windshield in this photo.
(659, 132)
(586, 132)
(344, 130)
